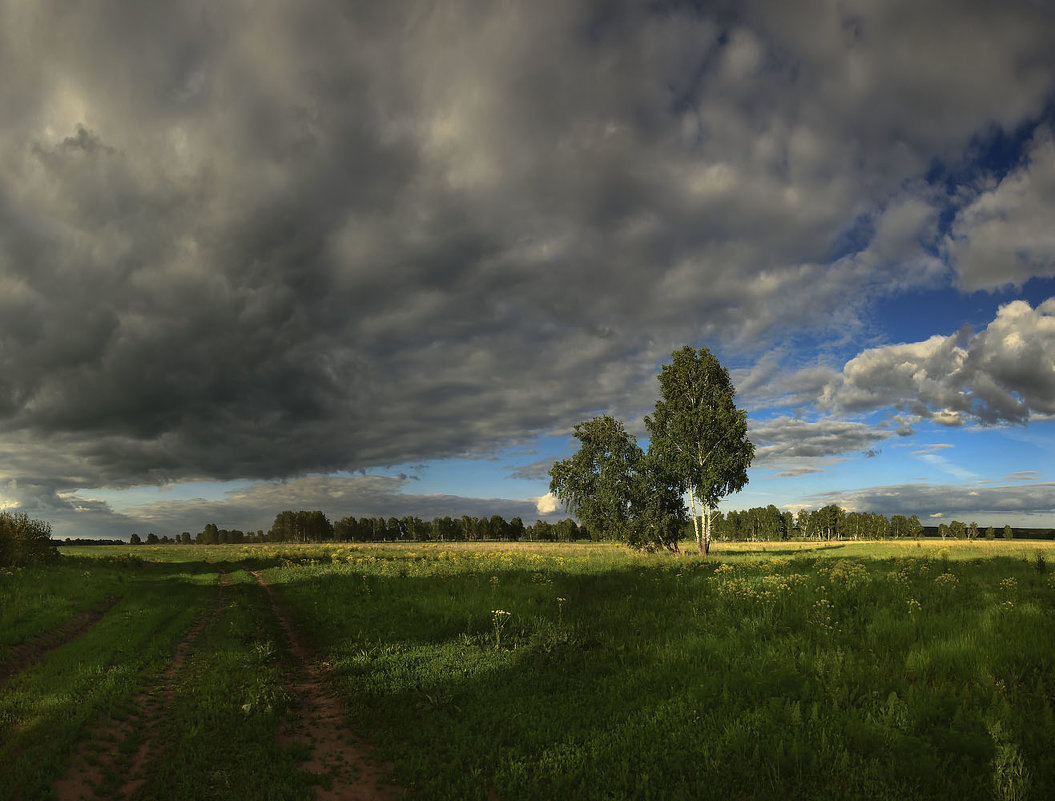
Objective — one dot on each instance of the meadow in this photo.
(900, 670)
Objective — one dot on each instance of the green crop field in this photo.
(891, 670)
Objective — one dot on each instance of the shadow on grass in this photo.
(642, 677)
(719, 553)
(619, 686)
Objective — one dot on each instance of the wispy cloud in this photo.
(941, 463)
(933, 448)
(795, 472)
(784, 437)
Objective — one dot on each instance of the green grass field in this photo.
(895, 670)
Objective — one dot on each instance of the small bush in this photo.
(23, 540)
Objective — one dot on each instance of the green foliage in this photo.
(617, 490)
(598, 483)
(696, 428)
(698, 442)
(660, 513)
(25, 541)
(753, 525)
(300, 526)
(698, 433)
(315, 527)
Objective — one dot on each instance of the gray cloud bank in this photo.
(271, 239)
(989, 505)
(254, 507)
(783, 438)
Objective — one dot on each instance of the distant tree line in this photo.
(314, 526)
(830, 522)
(456, 529)
(970, 531)
(24, 540)
(299, 527)
(759, 524)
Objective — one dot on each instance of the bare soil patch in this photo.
(29, 653)
(346, 768)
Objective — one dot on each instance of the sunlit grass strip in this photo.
(887, 549)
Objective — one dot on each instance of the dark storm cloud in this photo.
(268, 239)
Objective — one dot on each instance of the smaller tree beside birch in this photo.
(617, 490)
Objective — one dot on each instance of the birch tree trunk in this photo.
(706, 529)
(697, 524)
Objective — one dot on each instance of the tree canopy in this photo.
(617, 489)
(699, 434)
(698, 443)
(598, 482)
(24, 540)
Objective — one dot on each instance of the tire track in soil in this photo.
(335, 752)
(86, 779)
(29, 653)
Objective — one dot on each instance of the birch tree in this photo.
(699, 434)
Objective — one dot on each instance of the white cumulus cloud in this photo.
(1005, 373)
(547, 504)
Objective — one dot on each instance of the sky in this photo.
(379, 258)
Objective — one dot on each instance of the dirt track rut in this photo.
(111, 752)
(352, 773)
(29, 653)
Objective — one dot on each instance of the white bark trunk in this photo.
(696, 522)
(706, 529)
